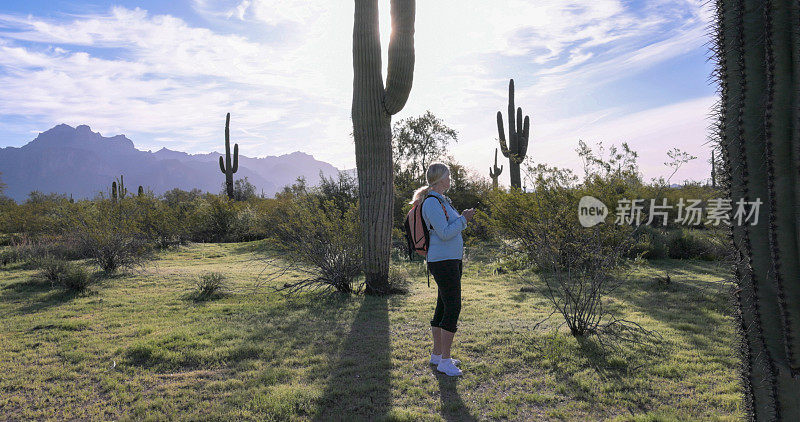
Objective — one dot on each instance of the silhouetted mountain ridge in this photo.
(80, 162)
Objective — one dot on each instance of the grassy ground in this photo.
(136, 347)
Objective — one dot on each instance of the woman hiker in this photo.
(444, 261)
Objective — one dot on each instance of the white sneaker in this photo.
(435, 359)
(447, 366)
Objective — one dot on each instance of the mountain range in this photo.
(81, 163)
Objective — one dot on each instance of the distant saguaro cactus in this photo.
(225, 165)
(497, 171)
(140, 192)
(372, 110)
(118, 190)
(517, 137)
(121, 191)
(757, 51)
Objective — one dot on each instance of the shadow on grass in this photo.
(453, 408)
(359, 380)
(36, 295)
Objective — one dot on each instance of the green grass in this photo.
(137, 347)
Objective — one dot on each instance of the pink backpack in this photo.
(417, 232)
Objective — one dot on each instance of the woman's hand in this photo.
(468, 214)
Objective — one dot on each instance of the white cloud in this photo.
(283, 68)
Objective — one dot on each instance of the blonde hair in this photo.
(435, 174)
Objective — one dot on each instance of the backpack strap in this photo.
(440, 203)
(427, 271)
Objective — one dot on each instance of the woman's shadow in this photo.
(453, 408)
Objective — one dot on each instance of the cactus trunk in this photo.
(757, 49)
(372, 109)
(517, 138)
(225, 166)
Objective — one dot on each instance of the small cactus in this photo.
(517, 137)
(225, 165)
(497, 171)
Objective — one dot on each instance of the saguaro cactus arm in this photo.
(522, 135)
(400, 73)
(235, 158)
(501, 131)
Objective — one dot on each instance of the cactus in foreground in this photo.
(372, 110)
(517, 137)
(497, 171)
(225, 165)
(756, 47)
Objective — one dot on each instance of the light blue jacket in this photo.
(445, 233)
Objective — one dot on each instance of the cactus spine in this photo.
(713, 171)
(225, 165)
(372, 110)
(517, 137)
(758, 69)
(497, 171)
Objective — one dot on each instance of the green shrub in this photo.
(51, 269)
(63, 273)
(578, 265)
(216, 219)
(321, 242)
(685, 244)
(398, 280)
(76, 278)
(651, 243)
(8, 256)
(110, 234)
(209, 285)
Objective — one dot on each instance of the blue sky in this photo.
(165, 74)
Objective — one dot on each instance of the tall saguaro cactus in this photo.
(225, 166)
(372, 110)
(517, 137)
(757, 49)
(497, 171)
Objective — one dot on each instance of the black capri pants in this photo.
(447, 274)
